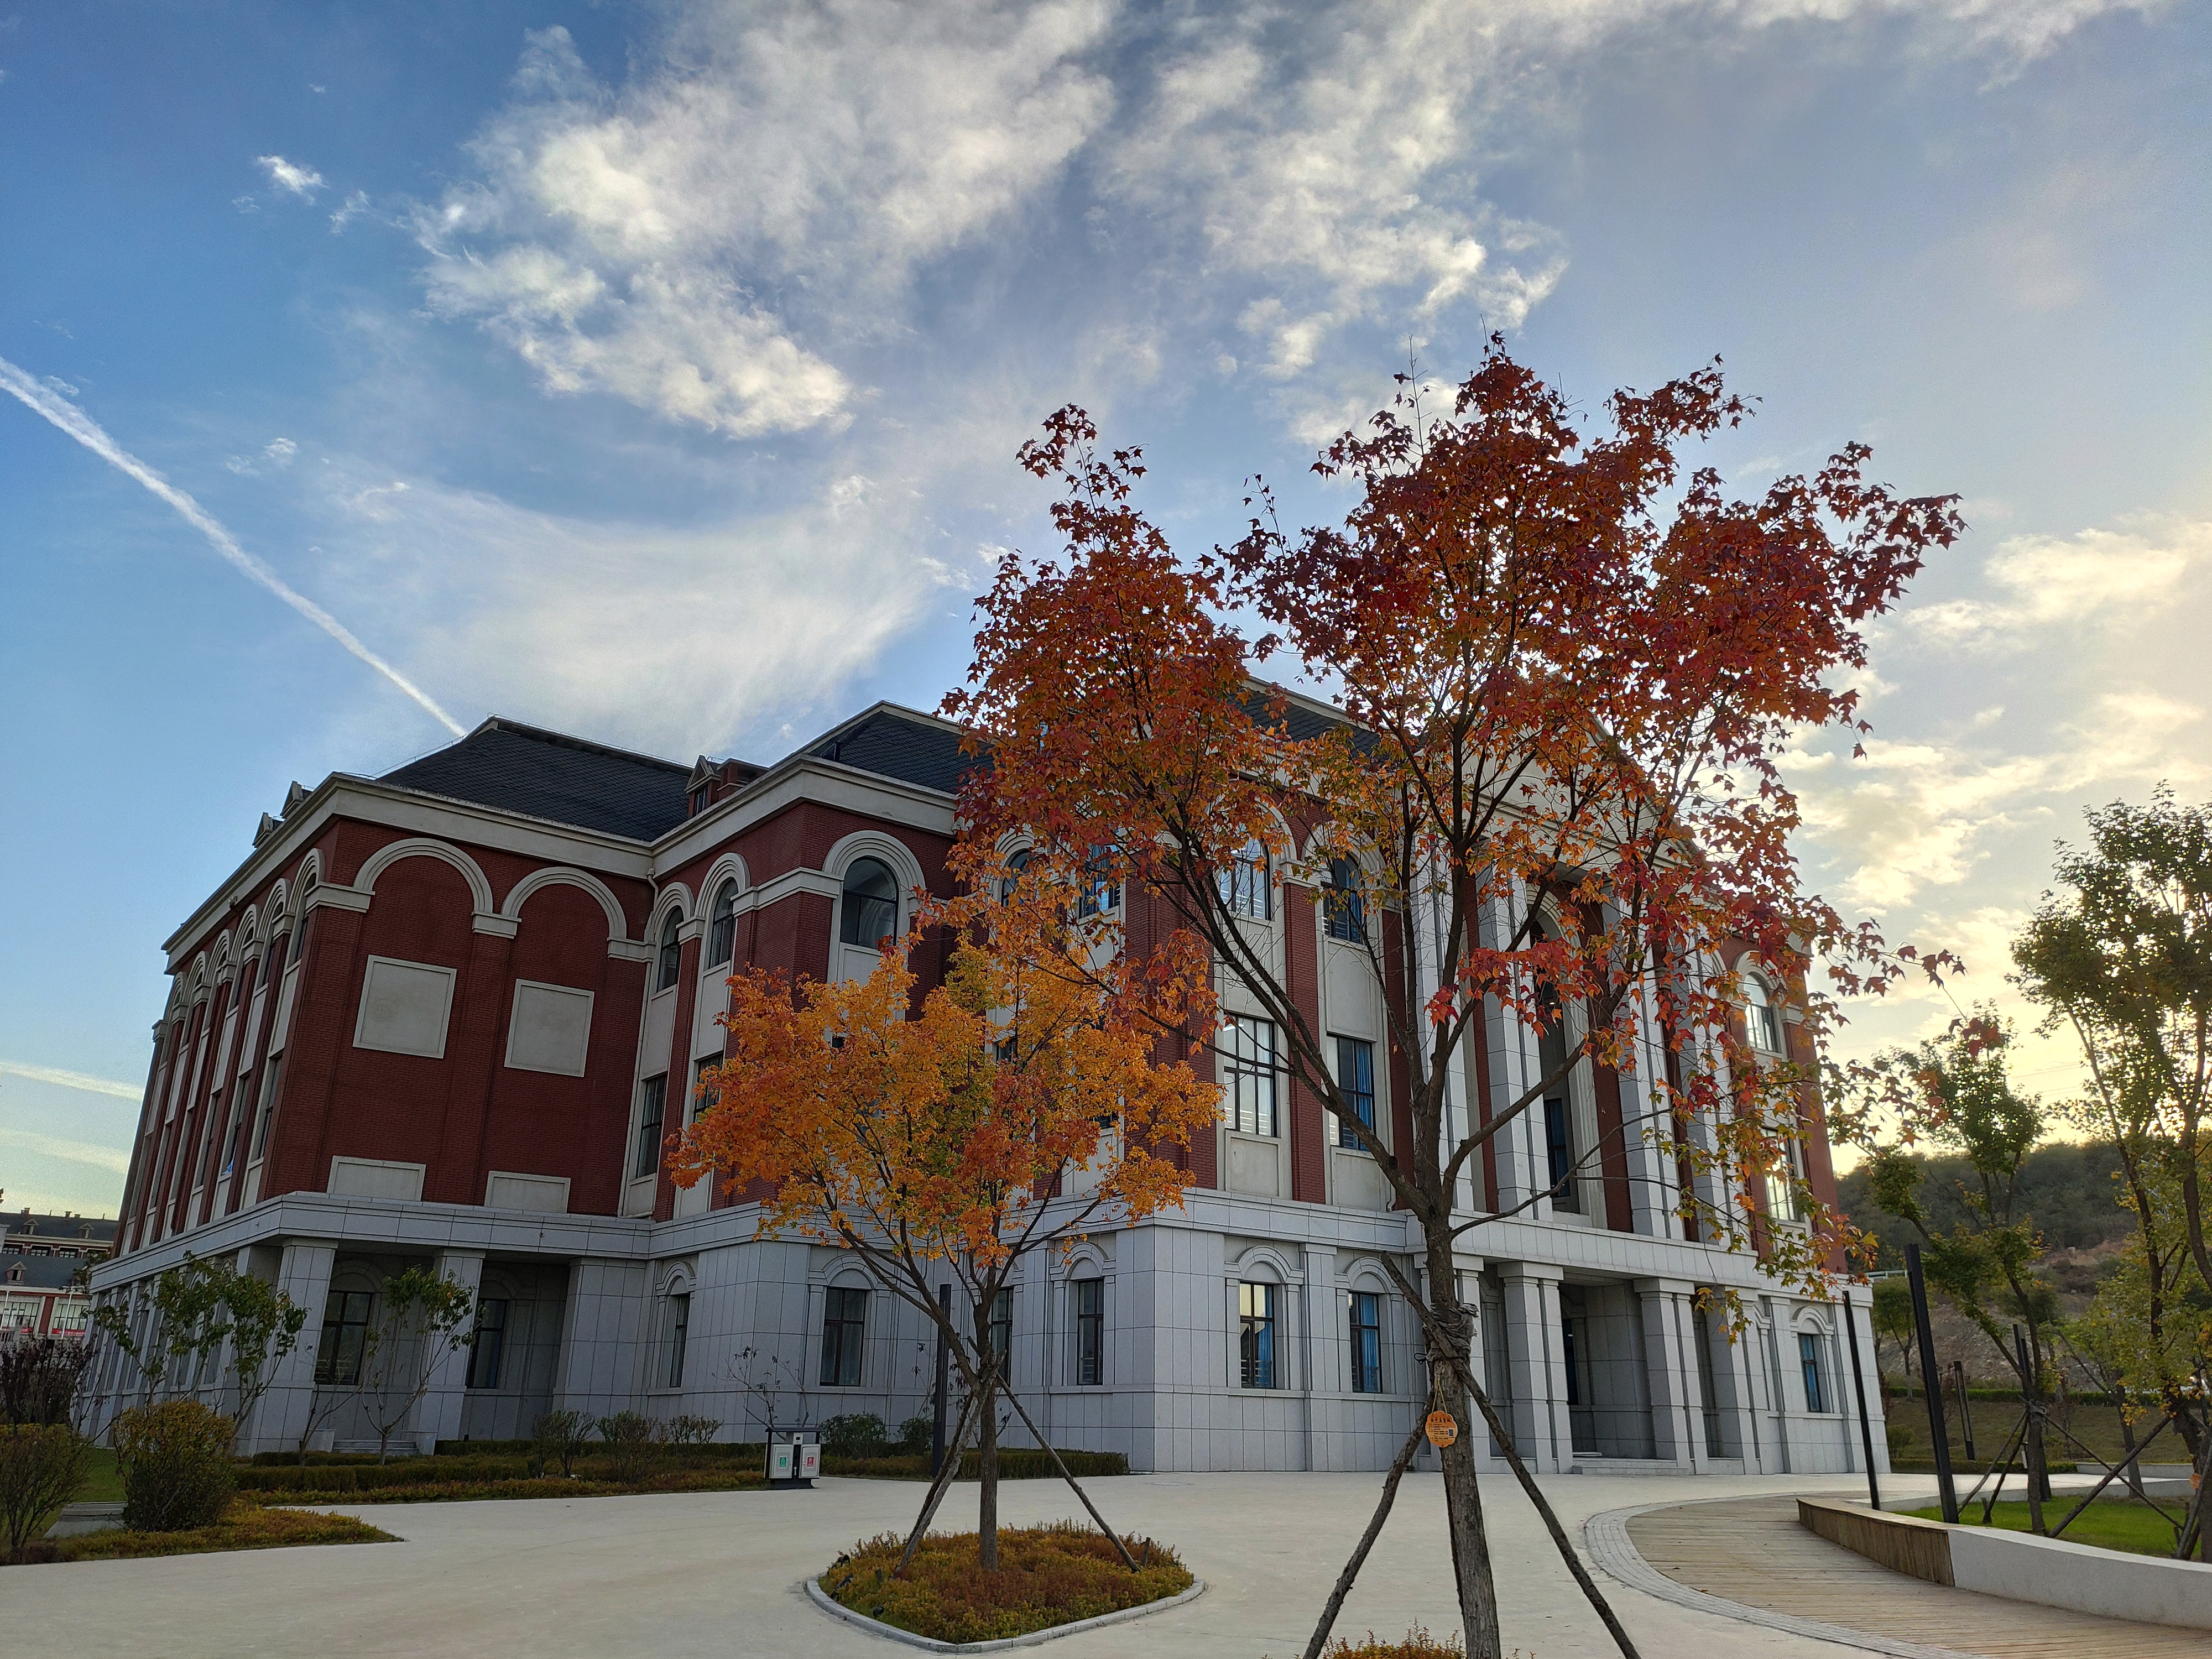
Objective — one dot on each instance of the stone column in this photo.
(438, 1414)
(303, 1273)
(1678, 1433)
(1537, 1355)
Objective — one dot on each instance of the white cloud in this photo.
(300, 182)
(276, 454)
(116, 1160)
(352, 208)
(672, 640)
(2095, 577)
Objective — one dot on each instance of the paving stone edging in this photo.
(821, 1599)
(1606, 1536)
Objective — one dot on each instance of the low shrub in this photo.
(1047, 1576)
(913, 1436)
(1024, 1465)
(859, 1434)
(1418, 1644)
(690, 1431)
(39, 1377)
(176, 1464)
(559, 1436)
(718, 1478)
(40, 1469)
(242, 1527)
(631, 1441)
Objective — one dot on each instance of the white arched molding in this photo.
(1085, 1260)
(1259, 1260)
(1811, 1321)
(875, 844)
(311, 876)
(197, 981)
(843, 1268)
(422, 846)
(561, 875)
(679, 1280)
(224, 966)
(728, 867)
(1365, 1273)
(249, 932)
(276, 909)
(674, 896)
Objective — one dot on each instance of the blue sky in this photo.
(656, 372)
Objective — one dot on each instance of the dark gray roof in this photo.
(40, 1273)
(58, 1229)
(896, 743)
(521, 768)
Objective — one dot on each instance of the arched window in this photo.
(672, 951)
(1761, 1017)
(722, 933)
(869, 906)
(1343, 907)
(1244, 887)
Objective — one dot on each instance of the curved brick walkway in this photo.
(1751, 1555)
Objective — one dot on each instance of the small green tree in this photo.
(206, 1309)
(1956, 1092)
(1892, 1323)
(41, 1468)
(561, 1434)
(2120, 953)
(418, 1313)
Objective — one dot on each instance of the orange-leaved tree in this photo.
(1544, 806)
(1017, 1107)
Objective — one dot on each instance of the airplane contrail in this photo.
(84, 1080)
(61, 412)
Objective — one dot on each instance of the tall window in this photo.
(704, 1093)
(679, 1332)
(1100, 894)
(1560, 1152)
(1089, 1296)
(1708, 1396)
(671, 952)
(868, 907)
(490, 1347)
(1343, 909)
(1760, 1016)
(1366, 1342)
(1248, 1074)
(1256, 1335)
(1001, 1331)
(844, 1323)
(268, 1108)
(722, 927)
(652, 1110)
(345, 1336)
(1783, 1181)
(1243, 886)
(242, 1115)
(1816, 1379)
(1355, 1079)
(1567, 1324)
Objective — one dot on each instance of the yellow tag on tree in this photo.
(1442, 1429)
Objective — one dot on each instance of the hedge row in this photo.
(1014, 1465)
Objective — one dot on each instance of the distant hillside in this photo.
(2067, 1188)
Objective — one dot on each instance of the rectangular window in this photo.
(704, 1093)
(1782, 1182)
(1343, 909)
(1366, 1342)
(345, 1336)
(1243, 886)
(1002, 1325)
(1248, 1074)
(1355, 1079)
(679, 1334)
(241, 1106)
(1574, 1370)
(844, 1323)
(490, 1347)
(653, 1095)
(1708, 1397)
(1816, 1382)
(1560, 1154)
(268, 1109)
(1089, 1296)
(1099, 895)
(1256, 1335)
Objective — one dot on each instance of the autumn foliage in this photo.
(1565, 669)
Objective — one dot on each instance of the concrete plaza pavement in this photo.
(717, 1574)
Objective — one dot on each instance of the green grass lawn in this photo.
(2115, 1524)
(102, 1484)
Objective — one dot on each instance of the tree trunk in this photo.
(1470, 1540)
(2035, 1468)
(987, 1505)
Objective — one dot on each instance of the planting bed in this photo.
(1047, 1576)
